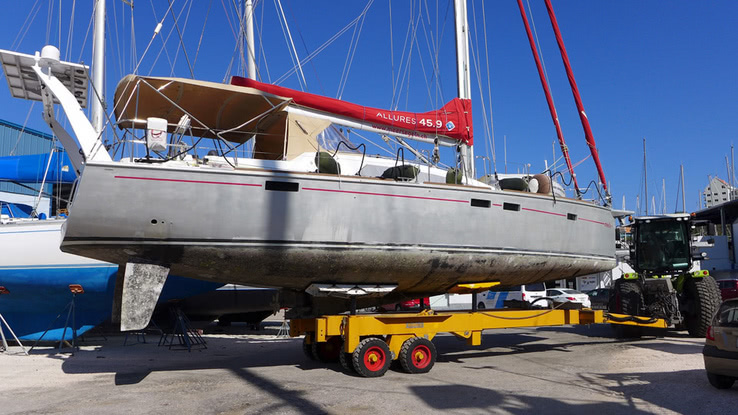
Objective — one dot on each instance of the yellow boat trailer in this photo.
(367, 343)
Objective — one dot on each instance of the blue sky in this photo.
(664, 71)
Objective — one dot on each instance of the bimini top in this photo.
(454, 120)
(230, 112)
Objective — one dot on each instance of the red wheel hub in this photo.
(421, 356)
(374, 358)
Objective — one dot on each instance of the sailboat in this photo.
(310, 214)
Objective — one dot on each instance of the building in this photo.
(718, 191)
(16, 140)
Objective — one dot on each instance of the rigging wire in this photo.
(349, 61)
(30, 17)
(181, 41)
(491, 134)
(288, 37)
(157, 29)
(318, 50)
(202, 33)
(261, 48)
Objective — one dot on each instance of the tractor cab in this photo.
(661, 244)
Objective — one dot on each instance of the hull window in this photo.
(571, 216)
(481, 203)
(282, 186)
(511, 206)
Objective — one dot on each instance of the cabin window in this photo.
(282, 186)
(481, 203)
(511, 206)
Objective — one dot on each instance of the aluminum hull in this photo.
(289, 230)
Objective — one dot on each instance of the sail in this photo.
(454, 120)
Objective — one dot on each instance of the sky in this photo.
(654, 70)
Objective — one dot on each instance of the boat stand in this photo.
(71, 313)
(4, 290)
(183, 332)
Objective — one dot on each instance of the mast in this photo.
(250, 51)
(463, 77)
(549, 99)
(645, 174)
(578, 99)
(97, 110)
(681, 169)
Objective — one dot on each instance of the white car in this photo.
(566, 295)
(513, 296)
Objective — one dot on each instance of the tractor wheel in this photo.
(480, 306)
(703, 300)
(417, 355)
(627, 298)
(371, 358)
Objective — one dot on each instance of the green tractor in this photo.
(662, 286)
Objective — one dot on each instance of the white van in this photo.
(496, 298)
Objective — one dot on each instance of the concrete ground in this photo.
(515, 371)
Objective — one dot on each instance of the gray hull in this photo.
(290, 230)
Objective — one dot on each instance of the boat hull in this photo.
(289, 230)
(37, 276)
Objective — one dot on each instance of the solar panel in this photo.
(23, 82)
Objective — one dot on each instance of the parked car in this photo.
(728, 288)
(600, 298)
(721, 346)
(405, 305)
(513, 296)
(567, 295)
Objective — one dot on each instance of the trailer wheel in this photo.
(327, 352)
(627, 298)
(371, 358)
(417, 355)
(307, 348)
(345, 359)
(703, 300)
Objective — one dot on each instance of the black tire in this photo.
(345, 359)
(703, 300)
(417, 355)
(328, 351)
(398, 307)
(626, 298)
(371, 358)
(480, 306)
(307, 348)
(720, 381)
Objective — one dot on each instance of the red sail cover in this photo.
(454, 120)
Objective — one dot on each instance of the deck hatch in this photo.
(282, 186)
(481, 203)
(511, 206)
